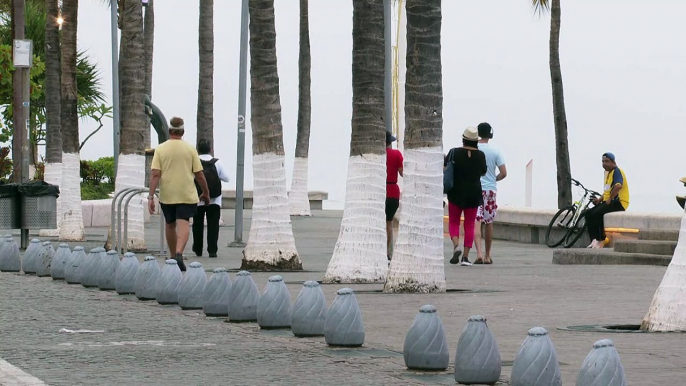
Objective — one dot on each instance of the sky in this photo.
(622, 65)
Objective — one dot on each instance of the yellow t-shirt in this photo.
(617, 176)
(178, 161)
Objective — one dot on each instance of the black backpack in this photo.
(209, 169)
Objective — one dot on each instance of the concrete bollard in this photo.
(216, 293)
(167, 287)
(107, 271)
(71, 271)
(602, 366)
(309, 311)
(274, 306)
(244, 298)
(344, 326)
(59, 262)
(44, 259)
(88, 271)
(191, 287)
(10, 258)
(125, 278)
(146, 279)
(477, 360)
(28, 264)
(426, 347)
(536, 362)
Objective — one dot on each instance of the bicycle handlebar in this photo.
(579, 184)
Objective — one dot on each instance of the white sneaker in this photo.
(600, 245)
(592, 244)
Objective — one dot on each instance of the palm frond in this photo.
(540, 5)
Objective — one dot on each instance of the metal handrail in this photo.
(130, 191)
(126, 218)
(113, 218)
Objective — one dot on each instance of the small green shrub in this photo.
(98, 171)
(91, 191)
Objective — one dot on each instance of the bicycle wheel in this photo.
(558, 227)
(575, 232)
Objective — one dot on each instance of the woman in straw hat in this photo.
(465, 197)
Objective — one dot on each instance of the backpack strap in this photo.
(213, 161)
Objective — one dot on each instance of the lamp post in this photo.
(116, 125)
(240, 143)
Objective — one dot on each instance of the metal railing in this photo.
(124, 197)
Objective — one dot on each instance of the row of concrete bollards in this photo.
(341, 324)
(477, 358)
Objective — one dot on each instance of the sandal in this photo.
(479, 261)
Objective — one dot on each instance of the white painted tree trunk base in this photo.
(270, 243)
(418, 261)
(298, 197)
(131, 174)
(71, 223)
(53, 175)
(360, 252)
(668, 309)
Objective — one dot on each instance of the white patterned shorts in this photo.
(486, 212)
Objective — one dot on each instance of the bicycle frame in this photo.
(581, 205)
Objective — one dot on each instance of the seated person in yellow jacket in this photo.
(615, 198)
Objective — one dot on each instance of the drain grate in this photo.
(607, 328)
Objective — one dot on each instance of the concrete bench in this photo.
(96, 213)
(229, 199)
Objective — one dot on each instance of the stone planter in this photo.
(217, 293)
(309, 311)
(107, 271)
(125, 278)
(477, 360)
(28, 262)
(243, 299)
(344, 325)
(59, 262)
(88, 271)
(71, 272)
(426, 347)
(44, 259)
(191, 287)
(167, 287)
(536, 362)
(274, 306)
(146, 279)
(602, 366)
(10, 259)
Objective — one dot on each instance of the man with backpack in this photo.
(214, 174)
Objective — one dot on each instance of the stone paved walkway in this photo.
(144, 343)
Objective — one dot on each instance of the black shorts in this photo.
(392, 205)
(173, 212)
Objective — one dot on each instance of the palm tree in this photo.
(564, 174)
(298, 198)
(134, 122)
(270, 242)
(71, 225)
(205, 115)
(418, 261)
(53, 141)
(148, 49)
(360, 253)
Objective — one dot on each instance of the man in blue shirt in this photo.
(486, 212)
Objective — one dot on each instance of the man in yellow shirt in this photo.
(175, 166)
(615, 198)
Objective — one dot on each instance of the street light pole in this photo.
(388, 67)
(240, 143)
(115, 82)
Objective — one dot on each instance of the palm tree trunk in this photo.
(271, 245)
(668, 309)
(564, 174)
(53, 141)
(298, 197)
(205, 115)
(71, 225)
(418, 261)
(360, 253)
(148, 49)
(134, 122)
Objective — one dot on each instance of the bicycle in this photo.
(569, 223)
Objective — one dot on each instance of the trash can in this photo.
(38, 205)
(9, 197)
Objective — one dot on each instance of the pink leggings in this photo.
(454, 214)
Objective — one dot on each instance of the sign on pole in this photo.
(23, 53)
